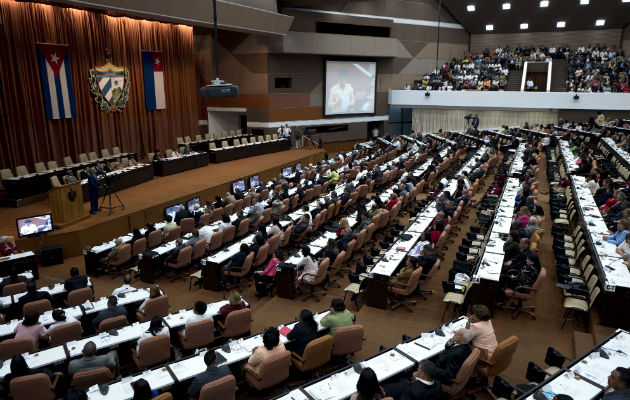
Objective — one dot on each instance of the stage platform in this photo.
(146, 202)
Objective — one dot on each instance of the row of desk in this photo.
(174, 165)
(121, 179)
(381, 272)
(23, 262)
(20, 187)
(387, 364)
(248, 150)
(184, 370)
(86, 309)
(586, 377)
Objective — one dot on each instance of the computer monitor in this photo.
(191, 203)
(173, 209)
(298, 167)
(33, 225)
(240, 185)
(287, 171)
(254, 181)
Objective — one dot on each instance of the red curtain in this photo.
(27, 137)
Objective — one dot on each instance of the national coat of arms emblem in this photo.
(110, 85)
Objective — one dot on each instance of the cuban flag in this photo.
(153, 69)
(54, 70)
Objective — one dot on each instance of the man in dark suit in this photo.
(93, 186)
(112, 310)
(452, 358)
(33, 295)
(172, 256)
(239, 218)
(75, 281)
(212, 373)
(345, 196)
(423, 386)
(181, 214)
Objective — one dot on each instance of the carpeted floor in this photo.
(385, 327)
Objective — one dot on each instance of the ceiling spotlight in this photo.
(489, 27)
(561, 24)
(544, 3)
(524, 25)
(625, 1)
(600, 22)
(584, 2)
(507, 6)
(470, 7)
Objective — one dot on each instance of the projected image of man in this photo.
(341, 96)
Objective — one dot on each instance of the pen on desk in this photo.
(418, 344)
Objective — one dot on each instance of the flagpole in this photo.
(216, 38)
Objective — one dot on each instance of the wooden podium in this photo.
(66, 203)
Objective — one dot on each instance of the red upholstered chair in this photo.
(154, 239)
(36, 386)
(14, 288)
(241, 272)
(39, 306)
(407, 291)
(273, 370)
(224, 389)
(237, 323)
(152, 351)
(13, 347)
(139, 246)
(197, 334)
(347, 340)
(80, 296)
(228, 234)
(157, 306)
(90, 377)
(174, 234)
(317, 280)
(216, 240)
(183, 261)
(187, 225)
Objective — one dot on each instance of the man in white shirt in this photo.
(28, 228)
(341, 96)
(591, 183)
(284, 132)
(375, 133)
(168, 226)
(199, 313)
(205, 232)
(530, 84)
(126, 287)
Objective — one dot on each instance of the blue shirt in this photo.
(617, 238)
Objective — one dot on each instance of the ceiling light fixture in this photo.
(470, 8)
(584, 2)
(489, 27)
(544, 3)
(625, 1)
(507, 6)
(561, 24)
(524, 25)
(600, 22)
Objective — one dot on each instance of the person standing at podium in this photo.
(93, 186)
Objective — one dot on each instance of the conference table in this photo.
(486, 276)
(248, 150)
(183, 162)
(35, 183)
(204, 145)
(121, 179)
(612, 272)
(389, 363)
(586, 377)
(25, 261)
(621, 155)
(182, 371)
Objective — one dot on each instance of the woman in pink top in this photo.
(271, 346)
(522, 216)
(480, 327)
(265, 278)
(30, 328)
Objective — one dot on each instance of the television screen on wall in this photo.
(350, 87)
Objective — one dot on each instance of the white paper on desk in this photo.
(125, 387)
(87, 305)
